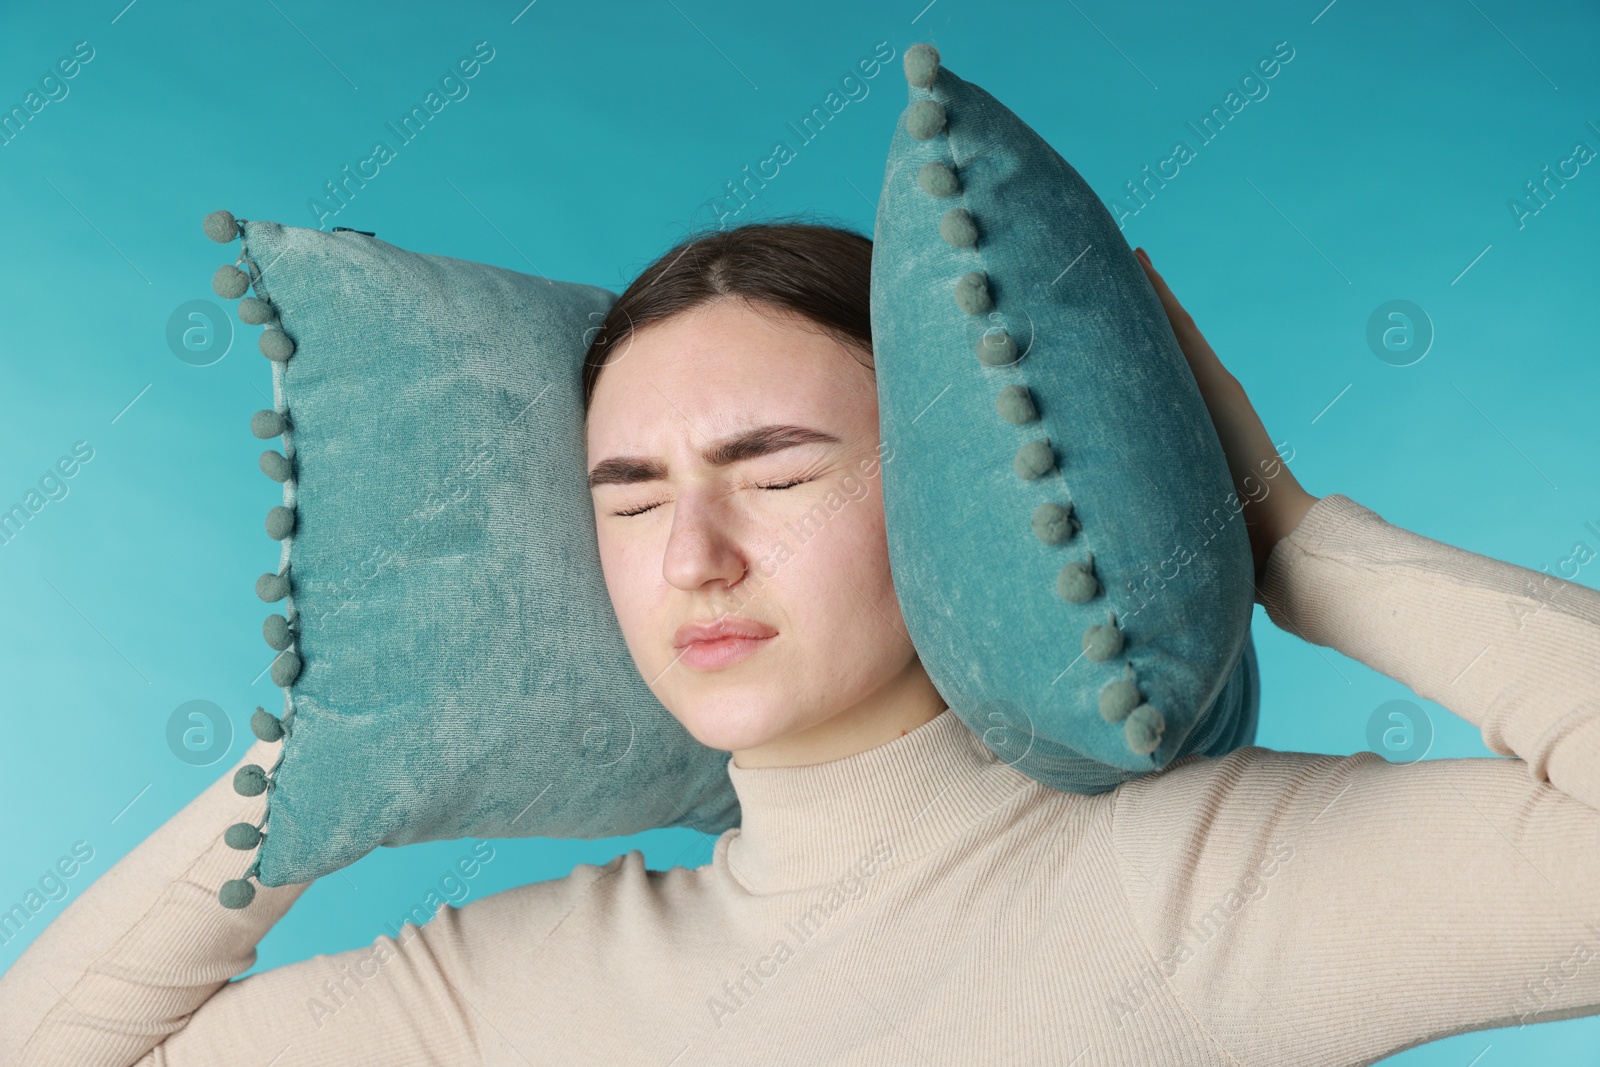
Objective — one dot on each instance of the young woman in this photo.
(896, 894)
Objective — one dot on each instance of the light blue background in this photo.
(1379, 166)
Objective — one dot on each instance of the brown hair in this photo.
(817, 271)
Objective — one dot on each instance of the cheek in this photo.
(620, 564)
(869, 551)
(863, 538)
(840, 575)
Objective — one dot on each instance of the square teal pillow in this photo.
(450, 661)
(1064, 534)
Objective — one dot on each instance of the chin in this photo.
(732, 720)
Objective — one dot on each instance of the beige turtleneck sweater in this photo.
(924, 903)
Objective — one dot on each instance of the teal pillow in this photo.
(450, 662)
(1064, 534)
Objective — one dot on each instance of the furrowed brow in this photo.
(761, 441)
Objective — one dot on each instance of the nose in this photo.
(705, 543)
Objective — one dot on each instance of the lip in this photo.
(723, 652)
(716, 629)
(722, 642)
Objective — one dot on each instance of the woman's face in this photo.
(693, 427)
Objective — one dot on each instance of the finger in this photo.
(1168, 300)
(1195, 348)
(1156, 281)
(1182, 322)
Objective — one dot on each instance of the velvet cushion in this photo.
(1064, 534)
(449, 659)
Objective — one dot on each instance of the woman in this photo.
(896, 894)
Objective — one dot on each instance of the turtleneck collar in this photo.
(805, 826)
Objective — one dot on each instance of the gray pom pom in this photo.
(1016, 405)
(922, 64)
(276, 345)
(285, 669)
(958, 229)
(279, 637)
(254, 311)
(972, 293)
(1034, 459)
(221, 226)
(1076, 583)
(236, 893)
(925, 119)
(1144, 728)
(280, 522)
(242, 835)
(272, 587)
(230, 282)
(275, 466)
(937, 179)
(250, 780)
(1102, 641)
(1053, 523)
(1117, 699)
(996, 348)
(268, 423)
(266, 725)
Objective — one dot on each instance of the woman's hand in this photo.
(1273, 500)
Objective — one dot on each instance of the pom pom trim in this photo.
(281, 631)
(927, 119)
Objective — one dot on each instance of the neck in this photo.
(811, 825)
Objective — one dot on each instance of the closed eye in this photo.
(648, 507)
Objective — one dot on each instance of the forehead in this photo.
(723, 367)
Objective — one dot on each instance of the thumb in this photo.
(1202, 358)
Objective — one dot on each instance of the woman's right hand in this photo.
(1272, 498)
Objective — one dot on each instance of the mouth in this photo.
(719, 652)
(716, 643)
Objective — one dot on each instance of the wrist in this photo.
(1299, 502)
(1293, 504)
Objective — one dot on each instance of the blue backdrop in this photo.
(1390, 241)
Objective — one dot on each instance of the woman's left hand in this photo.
(1272, 499)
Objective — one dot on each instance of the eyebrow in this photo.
(761, 441)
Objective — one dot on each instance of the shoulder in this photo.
(622, 877)
(535, 908)
(1197, 785)
(1176, 816)
(583, 908)
(1250, 770)
(1206, 823)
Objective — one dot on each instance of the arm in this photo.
(1338, 909)
(1514, 651)
(1457, 598)
(1313, 908)
(137, 969)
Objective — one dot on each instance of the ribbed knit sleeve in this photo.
(136, 970)
(1514, 651)
(1326, 909)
